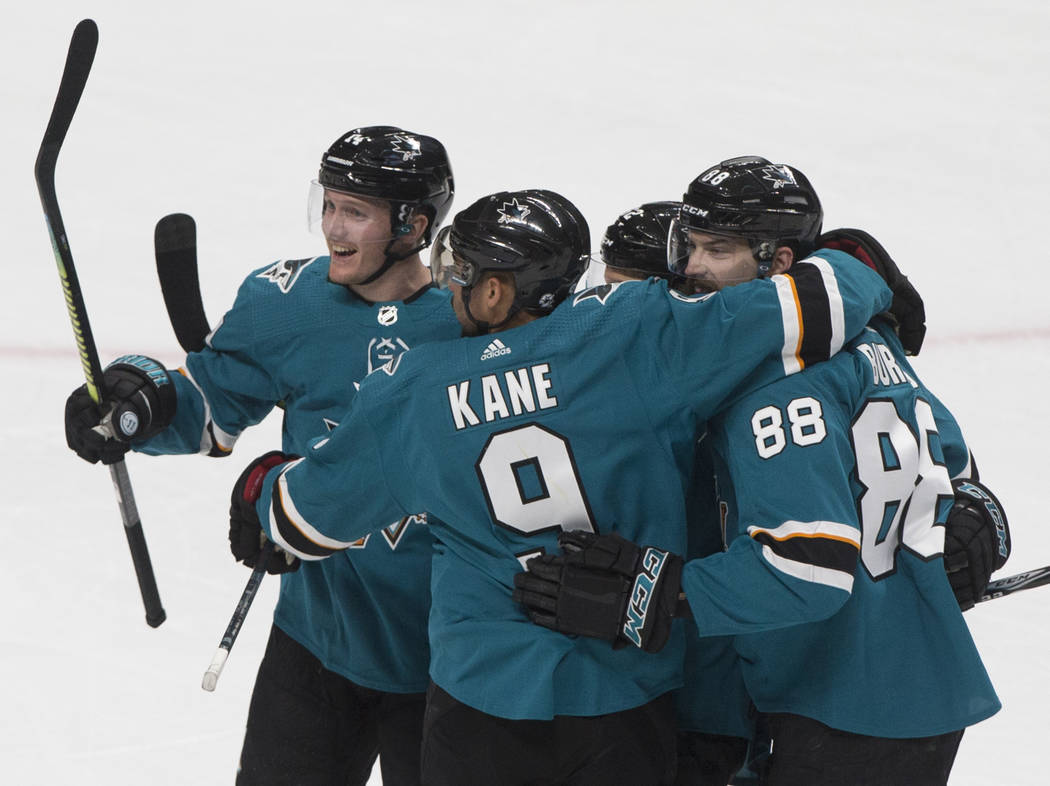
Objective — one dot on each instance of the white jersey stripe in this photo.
(300, 523)
(838, 315)
(222, 439)
(792, 329)
(807, 572)
(812, 529)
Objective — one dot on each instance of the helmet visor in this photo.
(315, 208)
(679, 247)
(365, 221)
(446, 266)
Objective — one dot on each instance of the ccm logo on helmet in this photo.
(696, 211)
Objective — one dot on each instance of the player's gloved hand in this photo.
(907, 307)
(246, 533)
(603, 586)
(140, 402)
(976, 541)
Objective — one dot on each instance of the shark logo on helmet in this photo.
(779, 176)
(407, 147)
(519, 212)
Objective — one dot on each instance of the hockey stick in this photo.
(1021, 581)
(175, 243)
(81, 55)
(211, 676)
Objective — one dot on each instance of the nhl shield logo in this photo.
(385, 353)
(387, 315)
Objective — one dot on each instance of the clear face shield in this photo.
(339, 216)
(679, 247)
(315, 208)
(446, 266)
(594, 274)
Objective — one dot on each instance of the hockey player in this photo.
(541, 419)
(713, 714)
(851, 641)
(634, 246)
(345, 670)
(714, 718)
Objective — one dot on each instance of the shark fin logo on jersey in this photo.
(360, 543)
(285, 273)
(600, 293)
(513, 211)
(385, 353)
(330, 424)
(396, 531)
(778, 175)
(387, 315)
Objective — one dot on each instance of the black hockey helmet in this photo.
(409, 170)
(749, 197)
(637, 240)
(538, 235)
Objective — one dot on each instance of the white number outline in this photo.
(502, 503)
(926, 481)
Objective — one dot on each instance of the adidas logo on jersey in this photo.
(494, 350)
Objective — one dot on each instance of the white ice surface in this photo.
(925, 123)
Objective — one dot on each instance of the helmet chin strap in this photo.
(400, 227)
(390, 259)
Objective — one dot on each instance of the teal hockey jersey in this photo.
(584, 419)
(295, 339)
(837, 485)
(713, 698)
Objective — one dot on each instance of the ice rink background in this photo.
(926, 124)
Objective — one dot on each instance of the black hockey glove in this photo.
(907, 307)
(976, 541)
(605, 587)
(140, 402)
(246, 533)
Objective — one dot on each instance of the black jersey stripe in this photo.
(813, 301)
(831, 553)
(293, 537)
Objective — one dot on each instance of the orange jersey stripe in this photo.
(801, 326)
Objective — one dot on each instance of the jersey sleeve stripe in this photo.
(836, 308)
(825, 529)
(214, 441)
(822, 545)
(809, 572)
(813, 300)
(791, 314)
(291, 531)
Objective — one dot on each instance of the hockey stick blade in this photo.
(211, 675)
(79, 60)
(1011, 584)
(175, 243)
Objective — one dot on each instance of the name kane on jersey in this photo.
(503, 395)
